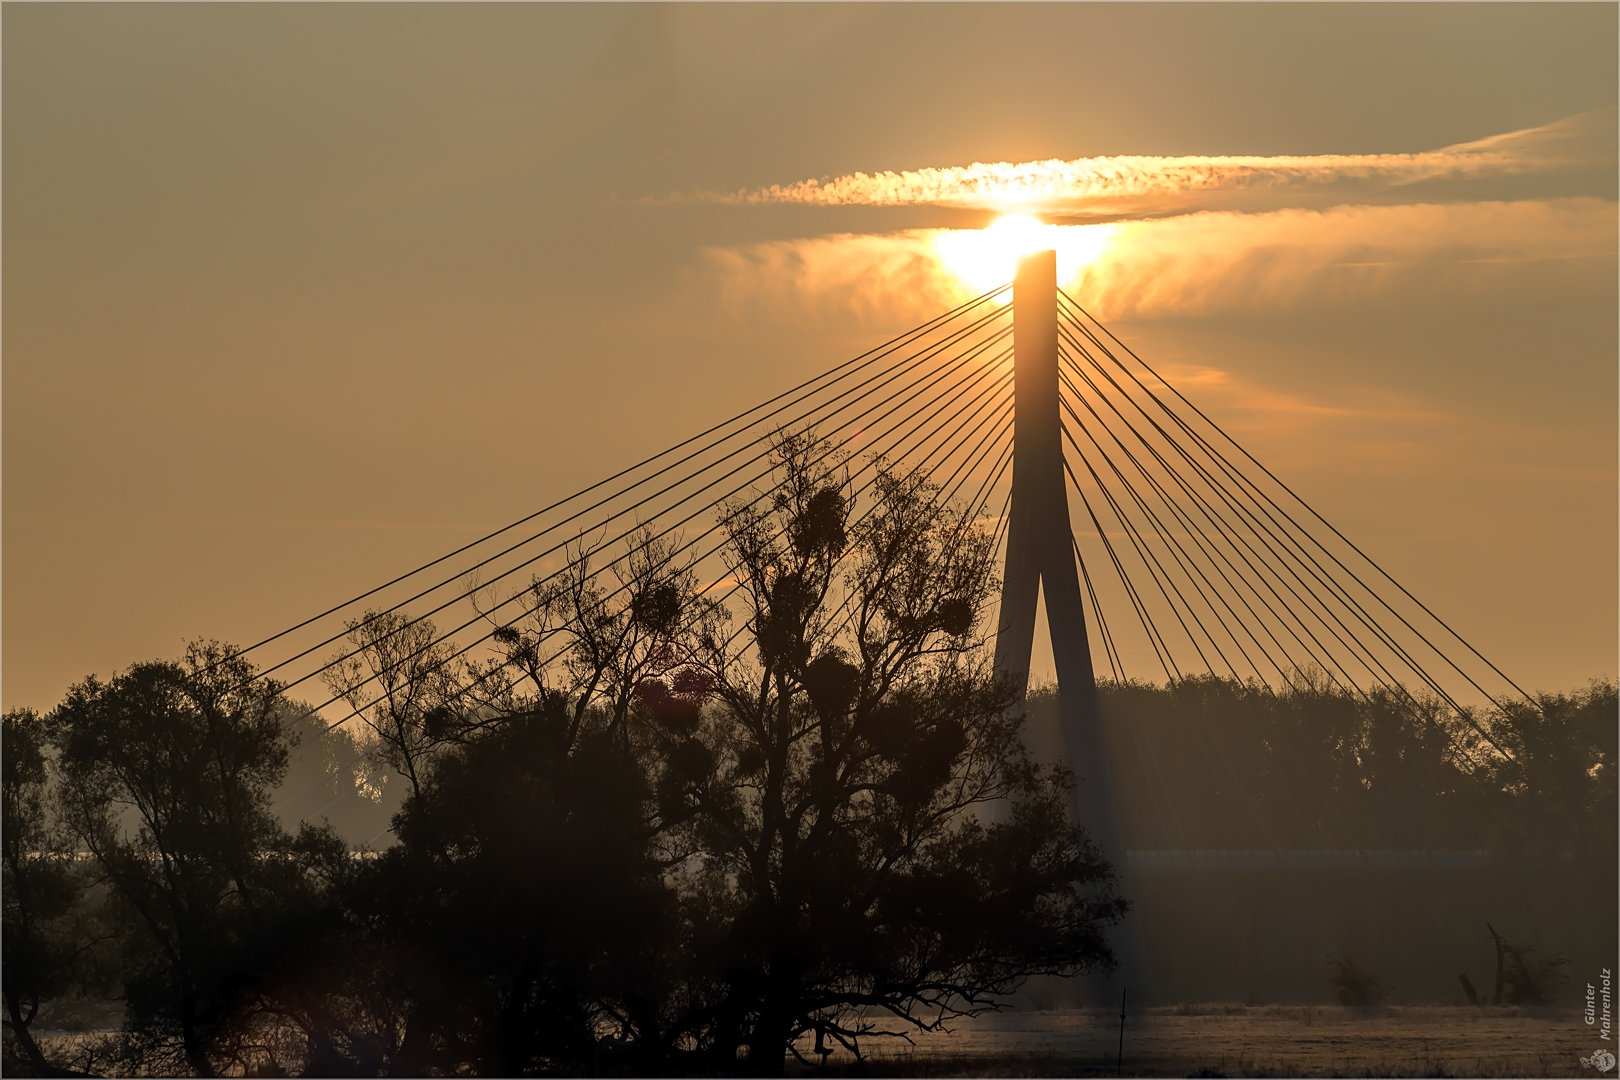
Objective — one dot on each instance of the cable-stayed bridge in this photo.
(1162, 548)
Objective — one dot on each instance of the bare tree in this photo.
(828, 794)
(587, 640)
(405, 684)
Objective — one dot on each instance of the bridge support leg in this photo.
(1040, 552)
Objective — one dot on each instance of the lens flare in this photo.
(985, 258)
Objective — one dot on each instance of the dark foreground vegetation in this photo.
(674, 845)
(652, 837)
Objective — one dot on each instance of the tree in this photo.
(166, 774)
(525, 919)
(838, 877)
(1560, 782)
(1312, 764)
(46, 936)
(403, 683)
(651, 845)
(579, 643)
(1356, 987)
(534, 920)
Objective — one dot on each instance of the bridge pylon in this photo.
(1041, 559)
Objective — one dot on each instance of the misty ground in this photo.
(1210, 1039)
(1237, 1040)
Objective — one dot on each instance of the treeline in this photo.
(1525, 844)
(642, 840)
(1213, 763)
(654, 836)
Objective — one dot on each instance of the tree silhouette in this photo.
(656, 834)
(166, 773)
(663, 845)
(840, 881)
(46, 936)
(526, 909)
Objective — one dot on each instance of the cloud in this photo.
(1185, 265)
(892, 280)
(1585, 140)
(1262, 411)
(1214, 261)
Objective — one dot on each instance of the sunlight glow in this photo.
(985, 258)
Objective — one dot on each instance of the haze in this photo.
(299, 296)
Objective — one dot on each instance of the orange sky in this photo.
(299, 296)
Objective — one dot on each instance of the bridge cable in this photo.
(977, 506)
(1221, 529)
(622, 536)
(1174, 610)
(905, 365)
(1452, 740)
(1149, 560)
(1316, 571)
(1387, 576)
(1147, 741)
(1115, 669)
(735, 587)
(1193, 532)
(1531, 700)
(1283, 561)
(1361, 615)
(947, 397)
(1219, 755)
(1155, 639)
(928, 380)
(871, 355)
(1167, 538)
(1002, 411)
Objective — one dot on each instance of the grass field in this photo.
(1217, 1040)
(1239, 1040)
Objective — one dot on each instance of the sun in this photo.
(985, 258)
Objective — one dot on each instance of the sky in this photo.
(299, 296)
